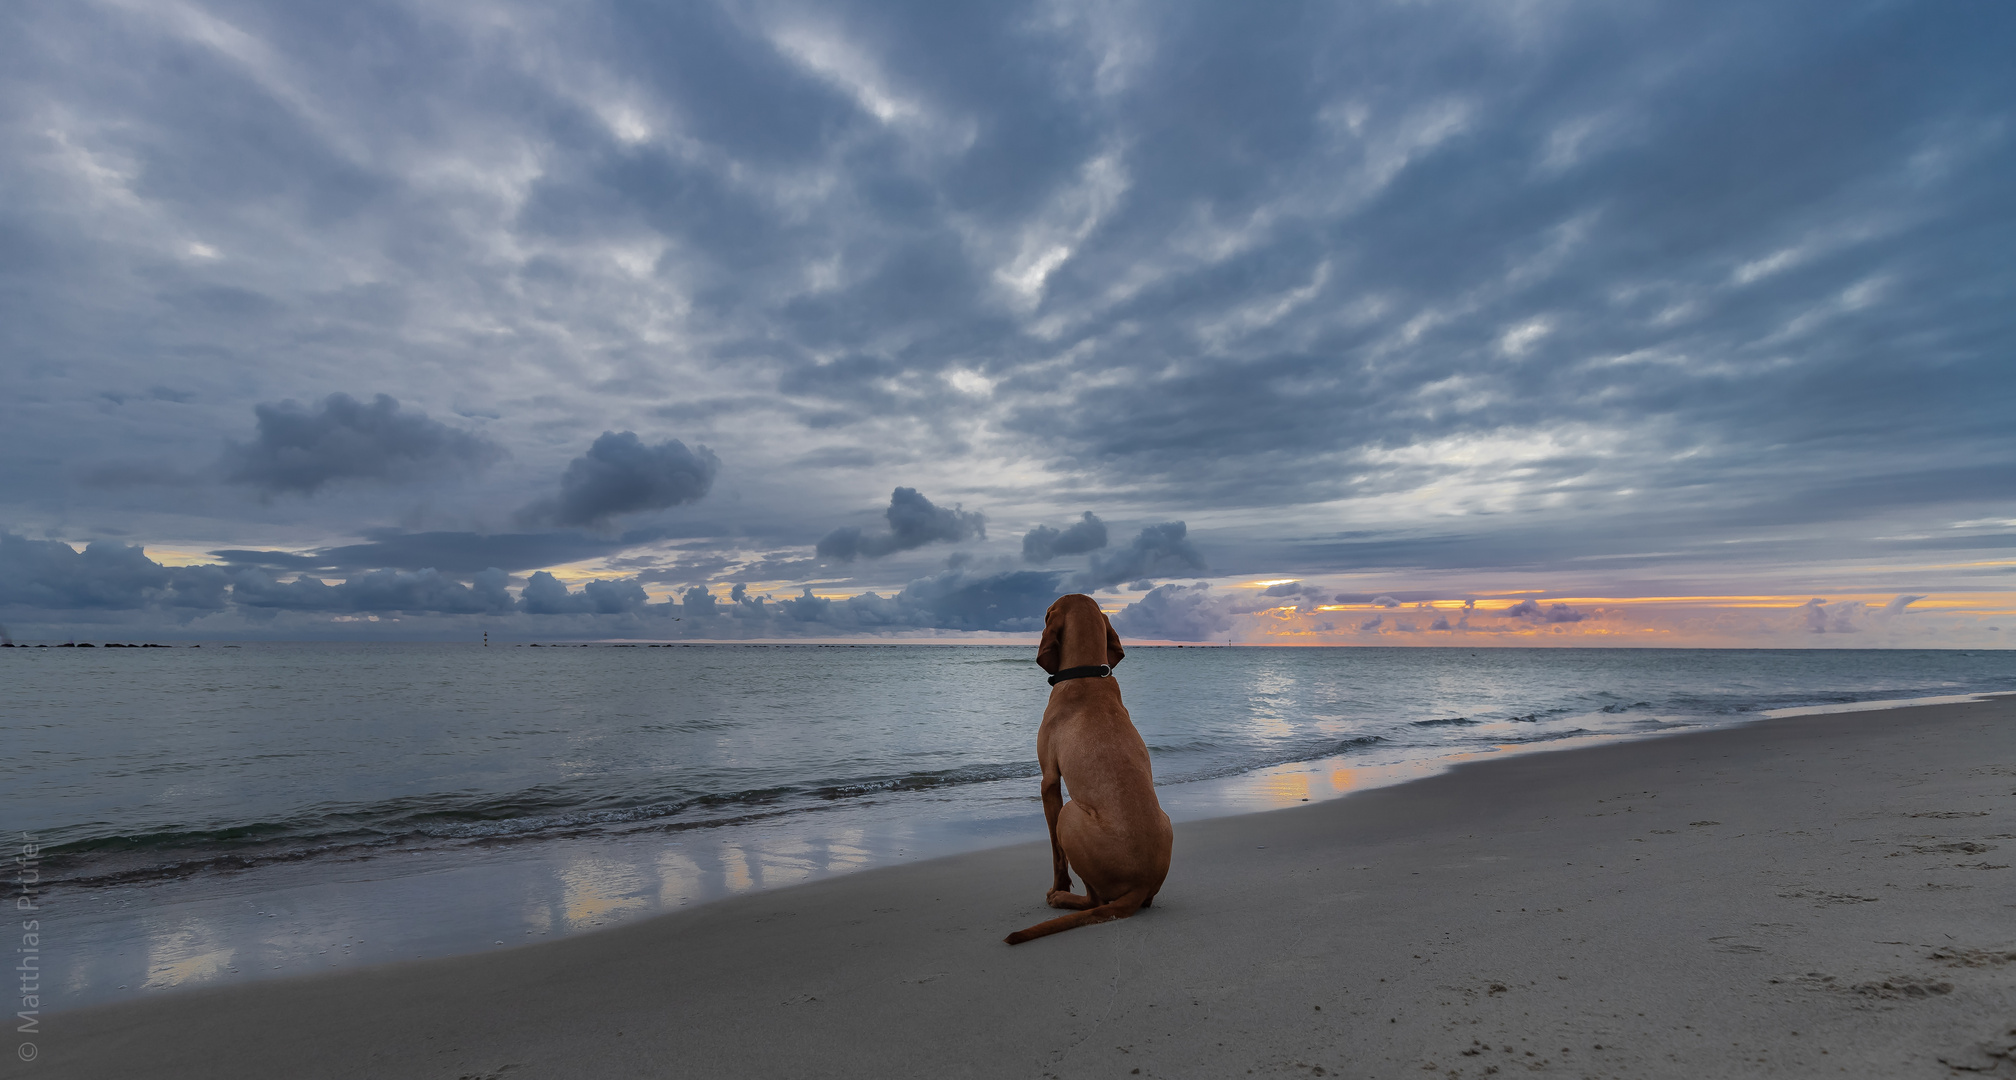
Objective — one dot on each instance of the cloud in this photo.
(1897, 605)
(300, 450)
(951, 600)
(1386, 600)
(449, 552)
(1175, 613)
(1269, 598)
(1284, 274)
(913, 522)
(105, 575)
(698, 603)
(544, 594)
(620, 475)
(423, 591)
(957, 600)
(1837, 619)
(1043, 543)
(954, 599)
(1156, 551)
(1531, 611)
(1291, 588)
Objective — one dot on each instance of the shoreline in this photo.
(156, 936)
(1272, 939)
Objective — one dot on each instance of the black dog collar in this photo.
(1096, 671)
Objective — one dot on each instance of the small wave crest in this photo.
(925, 781)
(1317, 752)
(441, 820)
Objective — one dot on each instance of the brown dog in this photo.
(1113, 831)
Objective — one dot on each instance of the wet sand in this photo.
(1823, 896)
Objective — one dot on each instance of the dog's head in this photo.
(1069, 617)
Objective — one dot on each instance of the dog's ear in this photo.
(1050, 647)
(1114, 653)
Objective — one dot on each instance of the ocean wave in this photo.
(1327, 749)
(924, 781)
(428, 820)
(1548, 736)
(1539, 715)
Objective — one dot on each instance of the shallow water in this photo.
(216, 813)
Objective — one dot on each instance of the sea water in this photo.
(213, 814)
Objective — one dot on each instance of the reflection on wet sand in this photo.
(294, 919)
(595, 889)
(187, 954)
(1286, 789)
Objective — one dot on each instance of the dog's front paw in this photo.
(1066, 899)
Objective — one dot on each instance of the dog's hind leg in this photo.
(1071, 901)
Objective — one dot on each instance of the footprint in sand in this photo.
(1992, 1055)
(1901, 987)
(1828, 898)
(1965, 847)
(1973, 958)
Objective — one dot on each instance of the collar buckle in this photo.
(1094, 671)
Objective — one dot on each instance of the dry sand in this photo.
(1818, 896)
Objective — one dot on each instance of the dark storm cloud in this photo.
(52, 574)
(1592, 280)
(1158, 551)
(951, 600)
(545, 595)
(424, 591)
(299, 450)
(1553, 174)
(913, 522)
(621, 475)
(956, 600)
(1175, 613)
(1043, 543)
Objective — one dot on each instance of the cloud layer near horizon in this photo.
(1417, 300)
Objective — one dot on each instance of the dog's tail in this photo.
(1106, 912)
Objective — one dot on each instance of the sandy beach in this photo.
(1820, 895)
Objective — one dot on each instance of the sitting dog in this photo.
(1113, 831)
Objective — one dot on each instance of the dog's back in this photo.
(1104, 761)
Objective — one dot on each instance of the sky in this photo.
(1422, 322)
